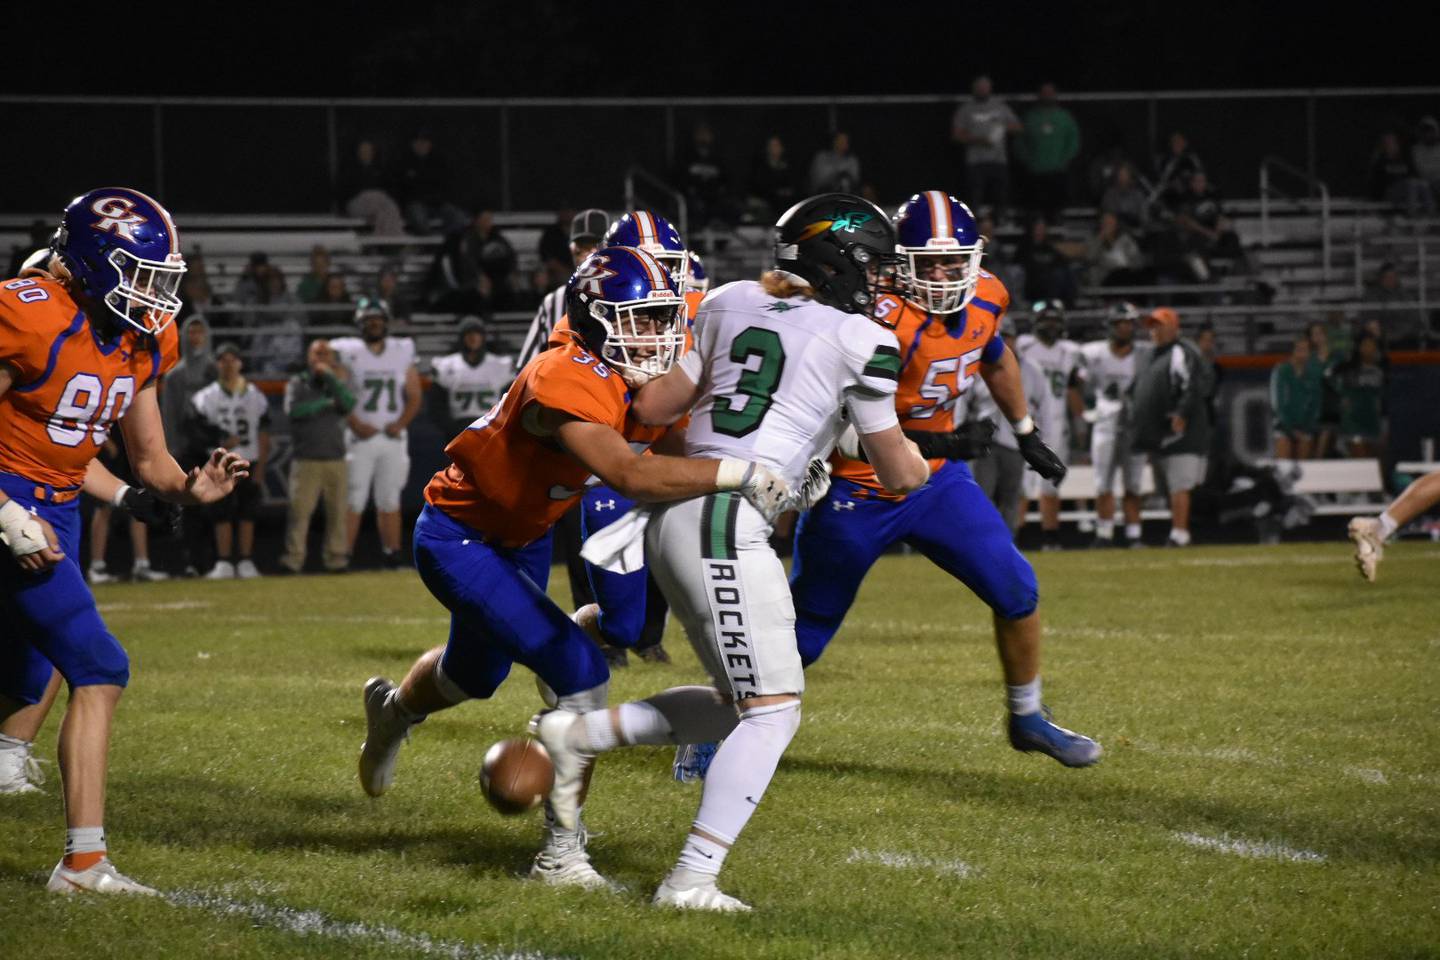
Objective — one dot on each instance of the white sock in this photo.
(1387, 525)
(741, 771)
(1023, 698)
(1105, 529)
(1132, 531)
(1179, 536)
(84, 840)
(642, 722)
(595, 733)
(693, 714)
(700, 862)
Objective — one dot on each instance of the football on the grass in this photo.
(516, 775)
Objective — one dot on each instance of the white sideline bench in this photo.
(1317, 478)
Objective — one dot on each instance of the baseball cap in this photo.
(1162, 317)
(589, 225)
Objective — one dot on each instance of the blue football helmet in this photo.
(698, 281)
(121, 249)
(655, 235)
(625, 308)
(937, 235)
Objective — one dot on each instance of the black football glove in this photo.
(150, 510)
(969, 441)
(1040, 457)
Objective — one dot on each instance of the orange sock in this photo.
(83, 861)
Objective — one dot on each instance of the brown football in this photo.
(516, 775)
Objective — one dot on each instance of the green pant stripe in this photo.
(717, 526)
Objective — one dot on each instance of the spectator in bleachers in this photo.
(701, 176)
(425, 189)
(1425, 154)
(1175, 165)
(1361, 381)
(1048, 145)
(250, 287)
(474, 270)
(1402, 329)
(278, 349)
(1206, 234)
(1126, 199)
(1100, 171)
(999, 258)
(1112, 257)
(387, 287)
(195, 295)
(317, 402)
(1323, 358)
(1295, 396)
(835, 170)
(774, 186)
(365, 192)
(232, 413)
(1394, 179)
(1172, 417)
(1047, 268)
(334, 294)
(310, 285)
(981, 125)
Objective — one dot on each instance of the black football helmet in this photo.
(840, 244)
(1049, 321)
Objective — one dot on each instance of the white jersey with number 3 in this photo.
(378, 380)
(775, 374)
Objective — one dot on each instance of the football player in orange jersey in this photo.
(480, 542)
(81, 350)
(948, 327)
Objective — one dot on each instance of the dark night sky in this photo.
(550, 48)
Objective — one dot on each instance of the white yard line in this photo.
(312, 923)
(910, 861)
(170, 605)
(1254, 849)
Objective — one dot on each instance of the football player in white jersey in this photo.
(387, 390)
(1049, 349)
(1109, 374)
(776, 369)
(471, 379)
(237, 417)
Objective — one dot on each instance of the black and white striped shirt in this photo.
(552, 308)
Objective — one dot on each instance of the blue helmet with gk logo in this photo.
(940, 243)
(655, 235)
(122, 250)
(698, 281)
(625, 308)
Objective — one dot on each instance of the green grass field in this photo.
(1271, 783)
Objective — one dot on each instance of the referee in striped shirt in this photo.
(585, 232)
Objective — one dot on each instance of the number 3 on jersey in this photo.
(757, 385)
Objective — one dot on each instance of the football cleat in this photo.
(565, 863)
(100, 878)
(1369, 545)
(19, 769)
(245, 569)
(223, 570)
(1035, 732)
(551, 727)
(706, 896)
(654, 654)
(385, 732)
(692, 761)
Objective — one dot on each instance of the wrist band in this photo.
(732, 473)
(1024, 425)
(119, 499)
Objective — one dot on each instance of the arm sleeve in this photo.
(871, 413)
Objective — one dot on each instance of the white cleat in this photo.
(565, 863)
(245, 570)
(98, 574)
(1369, 545)
(101, 878)
(144, 573)
(19, 769)
(707, 896)
(551, 727)
(385, 732)
(223, 570)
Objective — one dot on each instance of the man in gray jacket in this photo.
(1172, 417)
(316, 401)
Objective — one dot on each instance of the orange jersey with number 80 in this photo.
(69, 387)
(939, 357)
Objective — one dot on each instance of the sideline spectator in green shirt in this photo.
(1049, 143)
(1295, 395)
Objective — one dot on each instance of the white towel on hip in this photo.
(620, 547)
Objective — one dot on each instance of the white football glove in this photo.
(767, 491)
(816, 485)
(20, 531)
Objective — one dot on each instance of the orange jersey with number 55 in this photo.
(511, 484)
(69, 387)
(939, 358)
